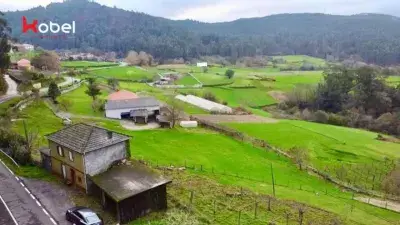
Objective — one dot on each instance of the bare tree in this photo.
(302, 210)
(132, 58)
(391, 183)
(300, 156)
(174, 110)
(47, 60)
(65, 103)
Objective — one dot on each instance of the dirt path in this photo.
(395, 206)
(132, 126)
(235, 118)
(278, 95)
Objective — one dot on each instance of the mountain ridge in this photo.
(375, 38)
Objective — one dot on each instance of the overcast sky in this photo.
(227, 10)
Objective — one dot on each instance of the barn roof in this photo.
(83, 138)
(132, 103)
(123, 181)
(122, 95)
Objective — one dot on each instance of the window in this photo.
(60, 151)
(71, 156)
(79, 179)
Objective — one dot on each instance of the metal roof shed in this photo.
(131, 191)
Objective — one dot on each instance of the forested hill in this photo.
(375, 38)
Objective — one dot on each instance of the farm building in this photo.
(125, 104)
(130, 191)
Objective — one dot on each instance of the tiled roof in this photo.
(24, 62)
(132, 103)
(122, 95)
(85, 138)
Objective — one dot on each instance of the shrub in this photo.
(226, 103)
(293, 110)
(98, 105)
(321, 116)
(336, 119)
(306, 115)
(300, 156)
(210, 96)
(283, 106)
(229, 73)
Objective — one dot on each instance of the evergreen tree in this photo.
(53, 91)
(93, 89)
(4, 50)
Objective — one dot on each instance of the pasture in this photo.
(338, 150)
(239, 164)
(88, 64)
(123, 73)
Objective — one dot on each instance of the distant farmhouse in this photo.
(24, 64)
(125, 104)
(92, 158)
(202, 64)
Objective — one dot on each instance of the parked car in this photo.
(83, 216)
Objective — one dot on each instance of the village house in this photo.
(91, 158)
(125, 104)
(24, 64)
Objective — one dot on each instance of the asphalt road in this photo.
(5, 217)
(26, 209)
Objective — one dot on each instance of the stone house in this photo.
(93, 158)
(82, 150)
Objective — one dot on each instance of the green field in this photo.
(298, 60)
(123, 73)
(187, 80)
(394, 80)
(82, 64)
(332, 148)
(82, 103)
(223, 155)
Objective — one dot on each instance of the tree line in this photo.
(371, 38)
(354, 97)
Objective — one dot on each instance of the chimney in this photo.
(109, 134)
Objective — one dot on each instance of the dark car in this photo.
(83, 216)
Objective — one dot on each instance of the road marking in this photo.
(45, 211)
(53, 221)
(32, 196)
(9, 212)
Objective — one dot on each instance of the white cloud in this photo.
(226, 10)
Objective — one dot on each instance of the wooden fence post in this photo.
(269, 203)
(214, 208)
(255, 210)
(240, 212)
(273, 180)
(191, 198)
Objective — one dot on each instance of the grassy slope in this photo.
(327, 143)
(224, 154)
(131, 73)
(71, 64)
(82, 103)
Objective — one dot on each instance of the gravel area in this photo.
(130, 125)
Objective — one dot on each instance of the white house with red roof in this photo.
(126, 104)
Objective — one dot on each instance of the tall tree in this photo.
(4, 50)
(93, 89)
(53, 91)
(47, 60)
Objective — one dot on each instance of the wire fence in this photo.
(227, 205)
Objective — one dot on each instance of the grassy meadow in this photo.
(88, 64)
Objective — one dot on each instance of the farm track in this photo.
(236, 118)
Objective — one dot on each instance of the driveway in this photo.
(12, 91)
(22, 204)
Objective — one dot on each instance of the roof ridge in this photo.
(87, 141)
